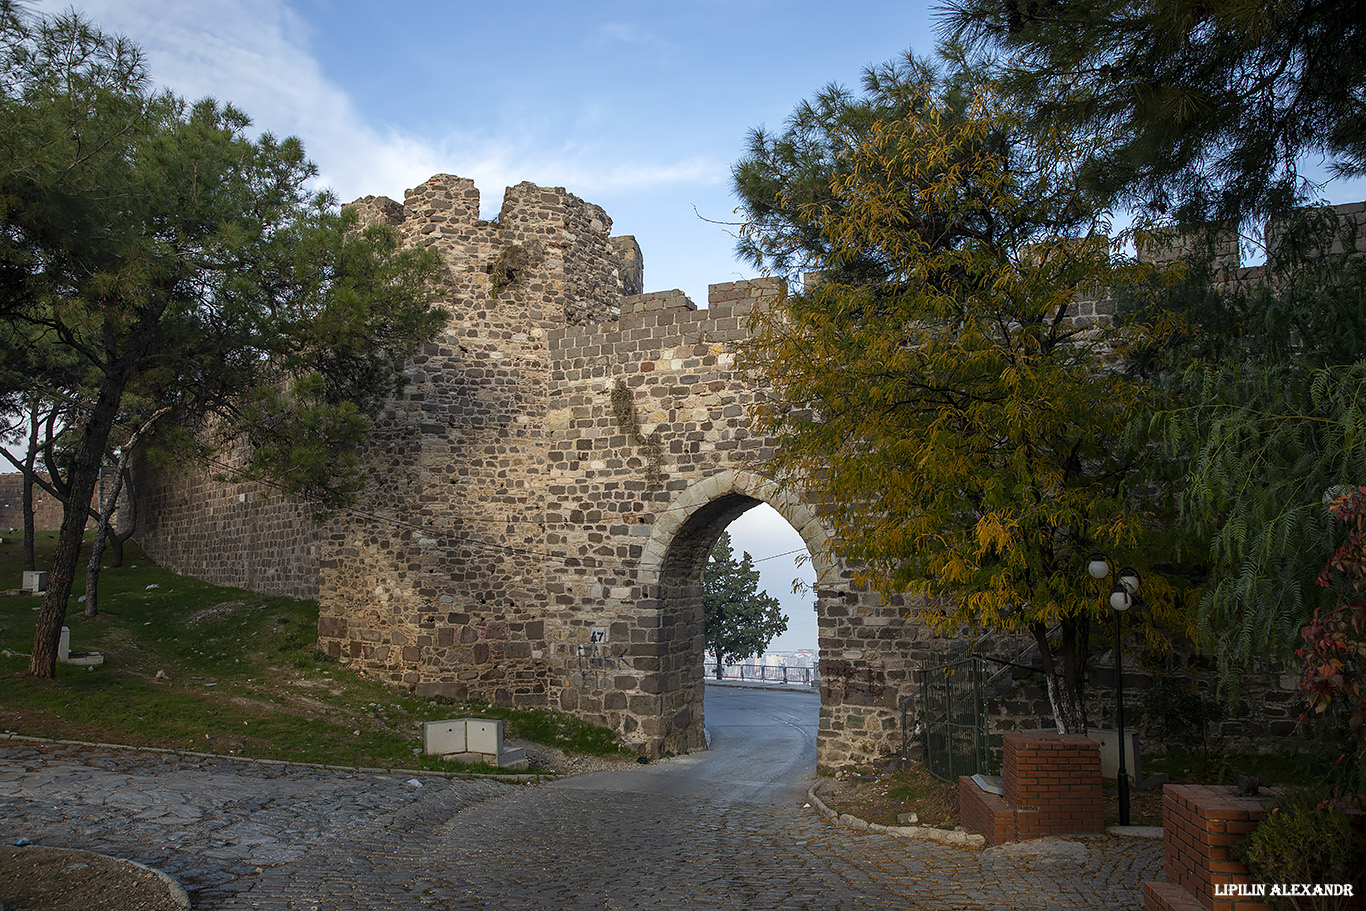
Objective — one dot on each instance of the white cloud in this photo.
(621, 31)
(634, 36)
(255, 53)
(582, 175)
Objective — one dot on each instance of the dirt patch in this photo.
(885, 799)
(1145, 806)
(53, 879)
(542, 758)
(304, 683)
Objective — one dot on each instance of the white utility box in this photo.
(470, 740)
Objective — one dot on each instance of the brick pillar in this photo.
(1053, 781)
(1051, 785)
(1202, 824)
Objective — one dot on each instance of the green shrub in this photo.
(1304, 840)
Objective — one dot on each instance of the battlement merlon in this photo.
(377, 210)
(1172, 244)
(630, 264)
(746, 294)
(673, 299)
(546, 236)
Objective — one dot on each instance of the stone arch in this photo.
(523, 542)
(671, 568)
(738, 486)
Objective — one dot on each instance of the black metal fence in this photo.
(761, 673)
(953, 712)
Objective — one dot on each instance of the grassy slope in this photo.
(194, 666)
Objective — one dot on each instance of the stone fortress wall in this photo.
(47, 510)
(568, 454)
(241, 534)
(545, 494)
(546, 491)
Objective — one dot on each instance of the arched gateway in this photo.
(547, 491)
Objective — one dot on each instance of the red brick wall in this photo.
(1202, 824)
(1051, 784)
(982, 811)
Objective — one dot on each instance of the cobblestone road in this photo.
(243, 835)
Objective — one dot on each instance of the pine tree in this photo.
(1207, 109)
(189, 268)
(741, 620)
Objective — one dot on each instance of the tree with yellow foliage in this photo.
(968, 436)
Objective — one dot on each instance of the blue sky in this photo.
(640, 107)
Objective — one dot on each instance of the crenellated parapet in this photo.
(1319, 232)
(552, 242)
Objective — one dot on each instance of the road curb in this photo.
(286, 763)
(1136, 831)
(956, 837)
(766, 687)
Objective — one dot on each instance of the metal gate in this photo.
(954, 716)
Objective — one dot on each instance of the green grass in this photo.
(573, 735)
(905, 789)
(194, 666)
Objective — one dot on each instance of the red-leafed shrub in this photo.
(1334, 650)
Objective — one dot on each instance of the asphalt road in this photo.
(761, 750)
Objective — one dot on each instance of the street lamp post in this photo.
(1123, 595)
